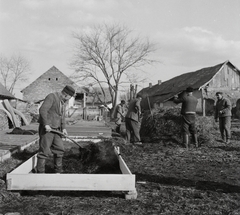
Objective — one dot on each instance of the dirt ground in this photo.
(169, 180)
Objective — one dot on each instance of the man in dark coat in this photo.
(188, 112)
(132, 121)
(52, 117)
(120, 115)
(223, 115)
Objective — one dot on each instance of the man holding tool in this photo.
(188, 112)
(52, 117)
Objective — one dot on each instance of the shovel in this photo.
(60, 133)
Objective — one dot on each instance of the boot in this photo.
(195, 139)
(223, 137)
(118, 129)
(41, 165)
(185, 140)
(58, 164)
(228, 141)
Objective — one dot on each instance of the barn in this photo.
(206, 82)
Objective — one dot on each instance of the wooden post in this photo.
(203, 104)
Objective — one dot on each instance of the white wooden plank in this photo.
(87, 182)
(123, 166)
(27, 166)
(22, 179)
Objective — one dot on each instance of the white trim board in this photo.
(21, 178)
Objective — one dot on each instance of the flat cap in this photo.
(69, 90)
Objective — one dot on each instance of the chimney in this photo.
(150, 85)
(159, 82)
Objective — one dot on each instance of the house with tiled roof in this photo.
(53, 80)
(206, 82)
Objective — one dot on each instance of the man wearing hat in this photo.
(223, 115)
(120, 115)
(188, 112)
(52, 117)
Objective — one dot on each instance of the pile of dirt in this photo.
(166, 125)
(93, 158)
(169, 180)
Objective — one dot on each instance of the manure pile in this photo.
(93, 158)
(166, 125)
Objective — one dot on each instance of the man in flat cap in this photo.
(52, 117)
(223, 115)
(188, 112)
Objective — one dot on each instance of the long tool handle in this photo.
(58, 132)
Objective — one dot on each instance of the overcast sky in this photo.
(190, 34)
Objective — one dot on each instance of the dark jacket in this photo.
(50, 113)
(119, 112)
(189, 104)
(134, 110)
(225, 106)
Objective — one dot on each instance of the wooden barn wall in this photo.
(226, 79)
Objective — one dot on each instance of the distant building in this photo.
(85, 104)
(206, 82)
(51, 81)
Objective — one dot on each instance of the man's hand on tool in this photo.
(64, 131)
(48, 128)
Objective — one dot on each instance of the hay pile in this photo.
(165, 124)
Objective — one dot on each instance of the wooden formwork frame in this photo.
(21, 178)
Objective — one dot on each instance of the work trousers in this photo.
(188, 124)
(132, 130)
(118, 123)
(225, 126)
(49, 143)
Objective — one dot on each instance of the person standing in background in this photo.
(223, 116)
(132, 121)
(188, 112)
(52, 117)
(120, 115)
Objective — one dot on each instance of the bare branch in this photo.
(13, 70)
(106, 53)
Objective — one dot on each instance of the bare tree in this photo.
(13, 70)
(106, 54)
